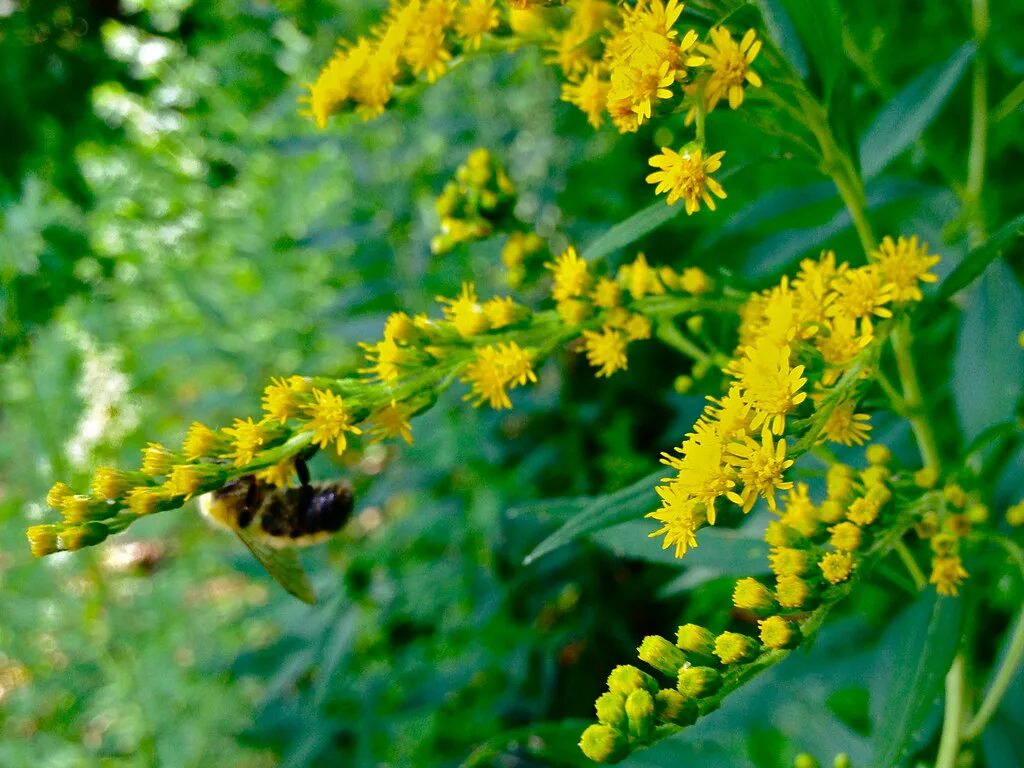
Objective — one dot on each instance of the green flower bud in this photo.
(84, 535)
(842, 760)
(803, 760)
(698, 682)
(640, 714)
(611, 710)
(672, 707)
(661, 654)
(603, 744)
(752, 595)
(734, 648)
(694, 638)
(626, 678)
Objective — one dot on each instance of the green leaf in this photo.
(988, 364)
(910, 665)
(631, 230)
(782, 31)
(968, 270)
(603, 512)
(902, 121)
(819, 25)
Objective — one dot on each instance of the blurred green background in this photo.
(173, 233)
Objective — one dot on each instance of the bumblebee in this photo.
(272, 521)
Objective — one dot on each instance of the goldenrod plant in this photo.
(815, 426)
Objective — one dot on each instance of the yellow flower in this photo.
(642, 83)
(788, 561)
(694, 280)
(188, 479)
(836, 566)
(641, 278)
(904, 264)
(279, 475)
(476, 18)
(384, 359)
(791, 591)
(573, 311)
(776, 632)
(606, 350)
(861, 293)
(157, 460)
(846, 427)
(109, 483)
(502, 312)
(333, 86)
(590, 95)
(570, 50)
(57, 493)
(464, 312)
(145, 501)
(704, 474)
(570, 273)
(201, 441)
(426, 52)
(846, 537)
(494, 370)
(768, 383)
(686, 175)
(329, 420)
(606, 293)
(392, 421)
(679, 523)
(730, 66)
(760, 468)
(947, 575)
(733, 648)
(247, 438)
(751, 595)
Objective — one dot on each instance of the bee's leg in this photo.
(302, 469)
(251, 503)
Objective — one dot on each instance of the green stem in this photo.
(979, 125)
(670, 334)
(917, 413)
(1007, 670)
(852, 192)
(952, 720)
(895, 398)
(912, 567)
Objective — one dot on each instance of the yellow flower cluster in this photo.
(796, 339)
(815, 550)
(417, 38)
(490, 345)
(620, 61)
(474, 203)
(581, 296)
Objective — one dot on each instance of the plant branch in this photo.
(952, 720)
(1011, 662)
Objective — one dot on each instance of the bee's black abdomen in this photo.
(329, 508)
(306, 510)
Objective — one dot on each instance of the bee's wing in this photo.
(283, 565)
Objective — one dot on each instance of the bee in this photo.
(273, 521)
